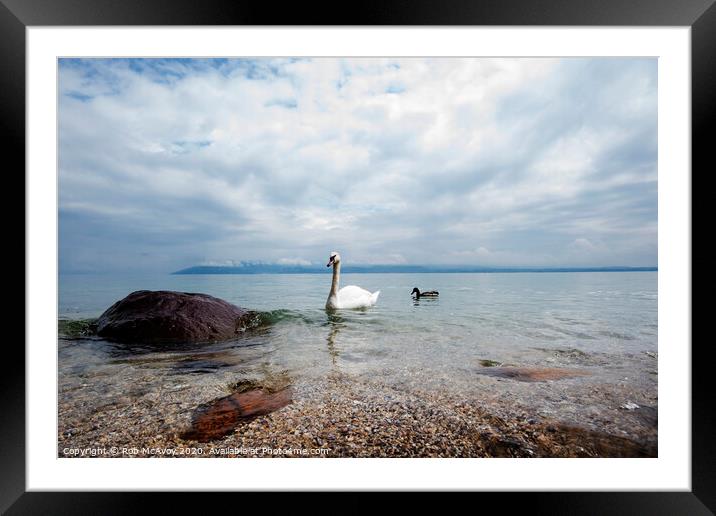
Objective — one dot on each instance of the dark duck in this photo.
(429, 293)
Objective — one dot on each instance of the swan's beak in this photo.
(329, 262)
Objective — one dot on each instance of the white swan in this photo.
(350, 296)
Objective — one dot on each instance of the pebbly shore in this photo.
(340, 416)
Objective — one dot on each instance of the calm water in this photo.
(603, 323)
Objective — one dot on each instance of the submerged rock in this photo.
(219, 417)
(531, 374)
(165, 317)
(76, 328)
(583, 442)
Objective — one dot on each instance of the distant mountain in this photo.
(269, 268)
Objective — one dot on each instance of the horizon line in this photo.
(273, 268)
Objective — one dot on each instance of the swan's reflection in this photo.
(335, 323)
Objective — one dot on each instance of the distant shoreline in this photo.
(390, 269)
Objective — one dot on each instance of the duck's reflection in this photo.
(417, 301)
(335, 323)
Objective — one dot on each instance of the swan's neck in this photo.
(336, 279)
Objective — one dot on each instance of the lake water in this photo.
(603, 324)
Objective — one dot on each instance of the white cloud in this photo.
(293, 261)
(583, 244)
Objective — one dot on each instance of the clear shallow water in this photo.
(602, 323)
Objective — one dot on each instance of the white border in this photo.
(671, 471)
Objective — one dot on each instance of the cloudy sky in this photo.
(165, 164)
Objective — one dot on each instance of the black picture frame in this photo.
(700, 15)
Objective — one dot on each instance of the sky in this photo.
(170, 163)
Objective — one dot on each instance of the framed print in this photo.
(507, 196)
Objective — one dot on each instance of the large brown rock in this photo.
(165, 317)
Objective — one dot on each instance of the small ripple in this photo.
(564, 331)
(616, 335)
